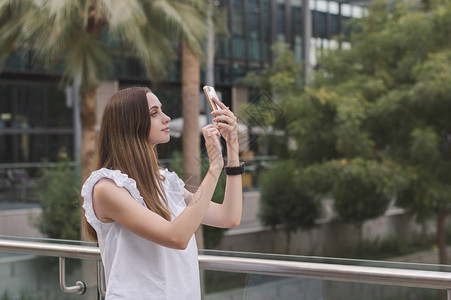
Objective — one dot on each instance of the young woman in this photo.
(142, 216)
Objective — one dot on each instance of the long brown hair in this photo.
(123, 144)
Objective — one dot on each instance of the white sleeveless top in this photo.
(136, 268)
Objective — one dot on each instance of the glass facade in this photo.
(36, 123)
(266, 29)
(254, 25)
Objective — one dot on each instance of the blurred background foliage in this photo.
(59, 194)
(373, 126)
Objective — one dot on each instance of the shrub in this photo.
(59, 192)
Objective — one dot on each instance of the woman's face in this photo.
(159, 129)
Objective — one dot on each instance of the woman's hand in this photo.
(226, 123)
(211, 136)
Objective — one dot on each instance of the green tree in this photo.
(59, 193)
(285, 201)
(336, 150)
(335, 153)
(385, 100)
(282, 78)
(363, 189)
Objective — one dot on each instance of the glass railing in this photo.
(239, 275)
(30, 269)
(33, 269)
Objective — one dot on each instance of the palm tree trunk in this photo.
(191, 137)
(88, 133)
(441, 236)
(88, 136)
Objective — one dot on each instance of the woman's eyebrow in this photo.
(155, 106)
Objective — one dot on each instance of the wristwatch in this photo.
(238, 170)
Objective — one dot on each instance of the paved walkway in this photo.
(424, 257)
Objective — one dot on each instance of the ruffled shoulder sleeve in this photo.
(174, 187)
(121, 180)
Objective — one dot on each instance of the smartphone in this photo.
(210, 93)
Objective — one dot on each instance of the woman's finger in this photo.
(210, 131)
(208, 126)
(219, 103)
(222, 107)
(226, 112)
(225, 118)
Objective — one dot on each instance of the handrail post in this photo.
(79, 288)
(100, 279)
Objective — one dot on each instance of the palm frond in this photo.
(62, 9)
(155, 52)
(119, 12)
(47, 36)
(58, 31)
(182, 20)
(16, 6)
(11, 17)
(87, 58)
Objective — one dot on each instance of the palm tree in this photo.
(191, 137)
(83, 36)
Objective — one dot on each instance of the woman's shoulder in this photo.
(105, 178)
(105, 184)
(97, 175)
(115, 175)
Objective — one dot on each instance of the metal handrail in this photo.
(50, 249)
(325, 271)
(62, 251)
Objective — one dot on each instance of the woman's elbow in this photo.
(181, 246)
(234, 222)
(178, 243)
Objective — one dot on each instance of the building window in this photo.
(280, 20)
(266, 30)
(253, 16)
(334, 25)
(36, 125)
(237, 30)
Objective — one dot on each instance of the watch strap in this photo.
(238, 170)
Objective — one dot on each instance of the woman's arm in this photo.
(227, 214)
(113, 203)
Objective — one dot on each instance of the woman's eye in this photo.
(153, 114)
